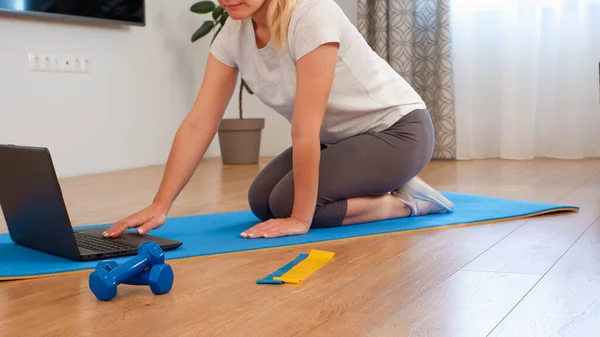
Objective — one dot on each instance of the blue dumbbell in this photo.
(103, 283)
(159, 277)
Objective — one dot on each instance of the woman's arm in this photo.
(197, 130)
(191, 142)
(315, 74)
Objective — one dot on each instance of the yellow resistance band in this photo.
(313, 262)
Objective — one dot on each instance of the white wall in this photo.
(124, 113)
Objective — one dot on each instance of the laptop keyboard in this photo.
(97, 244)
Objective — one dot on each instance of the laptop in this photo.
(36, 214)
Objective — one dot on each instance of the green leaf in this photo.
(217, 13)
(206, 27)
(247, 87)
(203, 7)
(224, 17)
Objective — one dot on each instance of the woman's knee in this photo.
(258, 199)
(281, 202)
(264, 183)
(330, 215)
(327, 214)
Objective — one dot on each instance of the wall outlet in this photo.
(79, 64)
(40, 62)
(58, 63)
(84, 65)
(34, 62)
(68, 64)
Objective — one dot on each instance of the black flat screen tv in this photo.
(126, 12)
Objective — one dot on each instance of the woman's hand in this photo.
(275, 228)
(145, 220)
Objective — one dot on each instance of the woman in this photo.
(360, 133)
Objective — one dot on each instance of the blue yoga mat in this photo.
(211, 234)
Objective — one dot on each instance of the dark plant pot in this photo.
(240, 139)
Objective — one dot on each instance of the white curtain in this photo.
(526, 75)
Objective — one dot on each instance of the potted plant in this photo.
(239, 138)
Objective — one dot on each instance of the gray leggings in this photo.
(368, 164)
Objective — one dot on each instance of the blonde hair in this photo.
(279, 15)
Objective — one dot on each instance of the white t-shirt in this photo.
(367, 94)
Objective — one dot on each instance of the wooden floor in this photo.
(536, 277)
